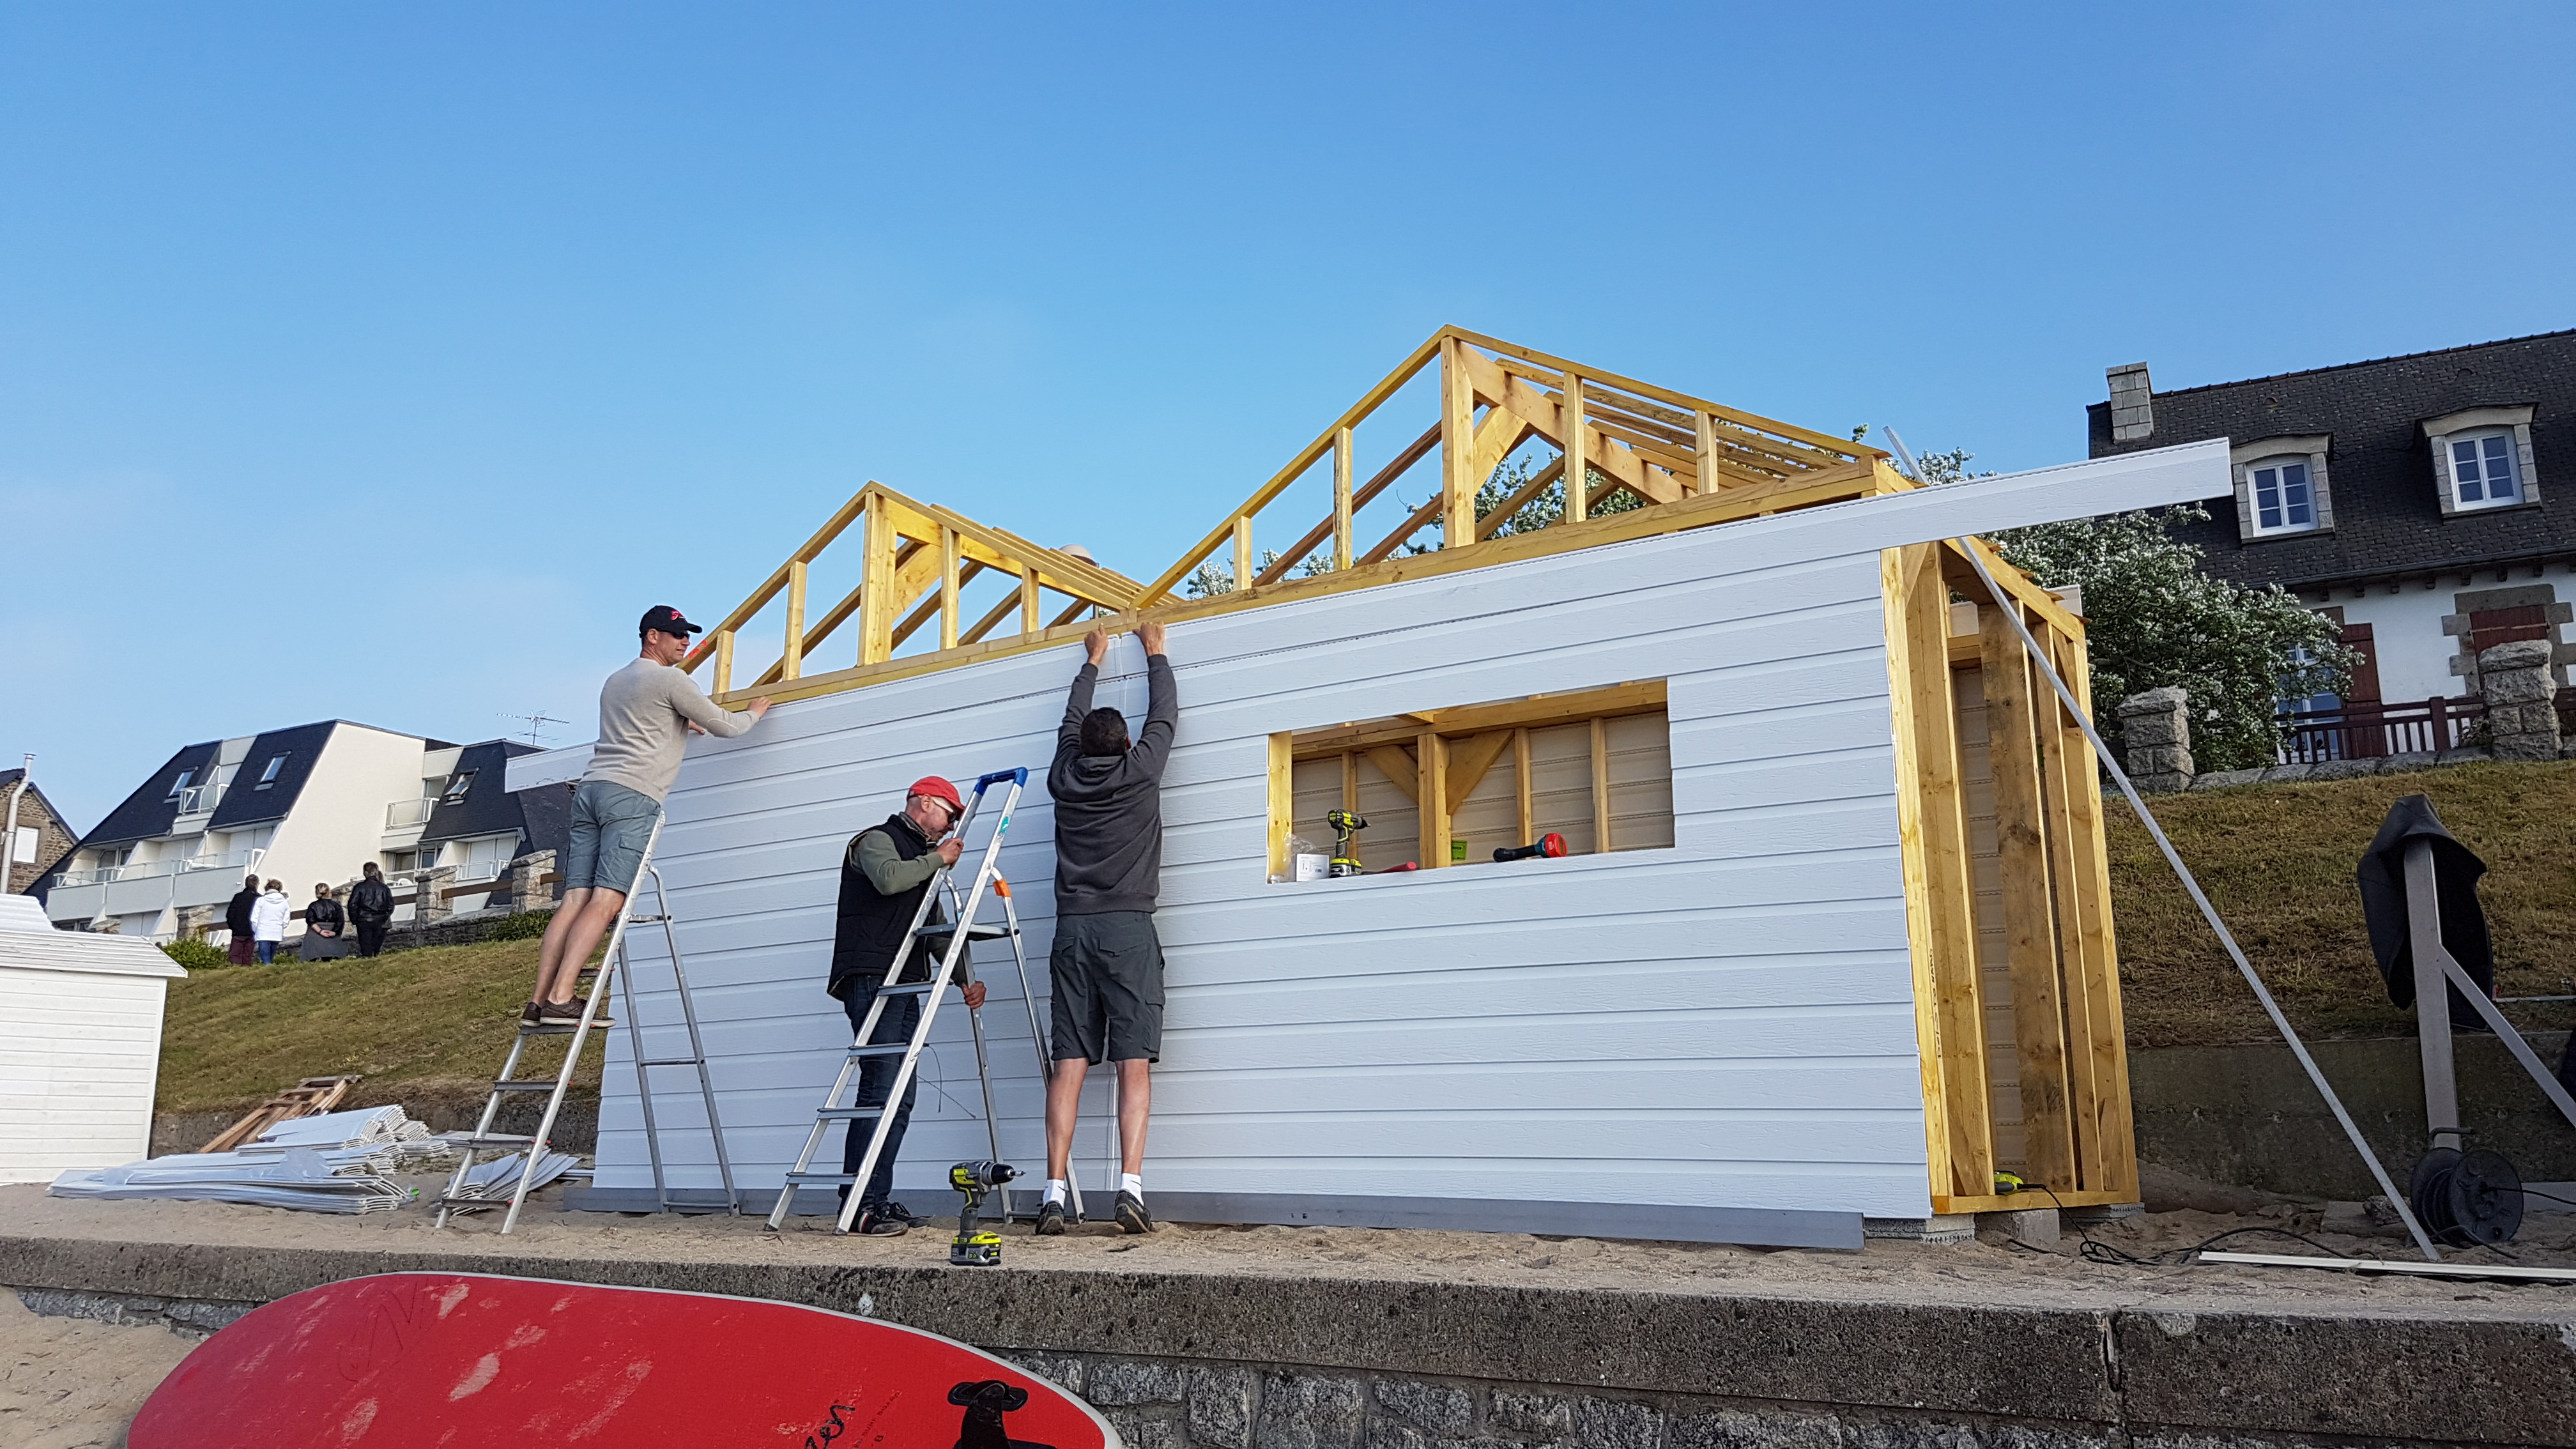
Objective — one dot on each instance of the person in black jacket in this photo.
(243, 951)
(371, 910)
(326, 927)
(885, 872)
(1106, 967)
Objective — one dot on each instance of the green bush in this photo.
(524, 926)
(195, 954)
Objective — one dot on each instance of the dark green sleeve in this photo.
(891, 874)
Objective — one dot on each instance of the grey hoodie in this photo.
(1109, 808)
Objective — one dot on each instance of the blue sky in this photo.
(384, 362)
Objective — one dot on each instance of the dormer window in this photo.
(2281, 487)
(2482, 471)
(2283, 501)
(2482, 459)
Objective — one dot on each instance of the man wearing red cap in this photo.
(885, 872)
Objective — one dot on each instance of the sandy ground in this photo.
(67, 1383)
(1992, 1269)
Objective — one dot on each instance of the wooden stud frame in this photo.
(2062, 962)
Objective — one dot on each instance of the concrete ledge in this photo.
(2061, 1374)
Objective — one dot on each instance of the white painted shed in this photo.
(80, 1044)
(1729, 1032)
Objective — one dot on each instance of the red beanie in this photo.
(937, 789)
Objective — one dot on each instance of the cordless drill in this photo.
(973, 1248)
(1345, 860)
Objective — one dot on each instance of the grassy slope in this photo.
(440, 1017)
(2278, 860)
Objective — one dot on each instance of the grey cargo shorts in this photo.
(1106, 973)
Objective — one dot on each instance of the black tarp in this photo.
(2456, 869)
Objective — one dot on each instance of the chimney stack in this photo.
(2133, 403)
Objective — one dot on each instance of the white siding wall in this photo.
(1724, 1023)
(79, 1052)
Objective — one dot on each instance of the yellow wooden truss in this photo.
(1689, 463)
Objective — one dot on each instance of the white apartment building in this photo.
(303, 805)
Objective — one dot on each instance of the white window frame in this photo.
(2310, 449)
(2476, 425)
(268, 773)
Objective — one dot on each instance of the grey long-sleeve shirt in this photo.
(644, 714)
(1109, 808)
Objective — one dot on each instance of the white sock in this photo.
(1055, 1190)
(1129, 1182)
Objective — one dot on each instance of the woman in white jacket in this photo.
(268, 917)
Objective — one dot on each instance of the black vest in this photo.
(871, 924)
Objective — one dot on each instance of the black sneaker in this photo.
(1050, 1220)
(897, 1212)
(877, 1223)
(1132, 1215)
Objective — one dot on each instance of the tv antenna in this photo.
(537, 723)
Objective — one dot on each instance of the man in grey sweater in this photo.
(645, 713)
(1106, 969)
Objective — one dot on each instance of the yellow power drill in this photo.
(974, 1248)
(1346, 861)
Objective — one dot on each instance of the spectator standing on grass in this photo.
(268, 917)
(326, 927)
(371, 910)
(237, 921)
(645, 713)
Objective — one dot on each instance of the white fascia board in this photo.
(2156, 478)
(548, 767)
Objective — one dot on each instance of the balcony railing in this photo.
(148, 869)
(197, 799)
(403, 814)
(2363, 730)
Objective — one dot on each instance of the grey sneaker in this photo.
(877, 1223)
(1132, 1215)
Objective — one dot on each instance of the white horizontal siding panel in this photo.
(80, 1052)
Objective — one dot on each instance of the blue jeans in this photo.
(876, 1079)
(267, 953)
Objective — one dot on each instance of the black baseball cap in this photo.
(669, 621)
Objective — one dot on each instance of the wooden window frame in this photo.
(1456, 747)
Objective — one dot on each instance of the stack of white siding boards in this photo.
(497, 1179)
(341, 1162)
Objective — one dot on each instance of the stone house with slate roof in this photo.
(303, 805)
(43, 838)
(2407, 497)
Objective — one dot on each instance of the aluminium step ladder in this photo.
(953, 944)
(531, 1148)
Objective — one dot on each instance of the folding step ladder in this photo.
(509, 1084)
(953, 943)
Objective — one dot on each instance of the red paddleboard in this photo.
(464, 1360)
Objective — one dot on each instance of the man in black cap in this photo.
(645, 713)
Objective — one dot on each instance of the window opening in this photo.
(2283, 501)
(181, 784)
(2482, 470)
(457, 787)
(1594, 767)
(268, 776)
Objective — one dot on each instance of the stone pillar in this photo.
(195, 921)
(525, 893)
(2156, 726)
(428, 904)
(2521, 692)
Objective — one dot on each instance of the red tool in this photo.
(1549, 845)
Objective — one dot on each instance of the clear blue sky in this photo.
(384, 362)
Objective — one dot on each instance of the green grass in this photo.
(2278, 861)
(436, 1019)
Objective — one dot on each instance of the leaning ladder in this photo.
(509, 1084)
(958, 938)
